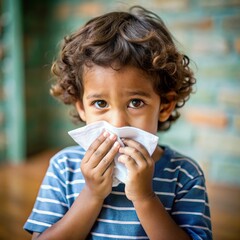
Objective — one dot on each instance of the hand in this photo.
(140, 170)
(97, 165)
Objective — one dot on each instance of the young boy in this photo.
(122, 68)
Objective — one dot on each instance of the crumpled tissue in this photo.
(86, 135)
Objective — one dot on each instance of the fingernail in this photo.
(112, 136)
(116, 144)
(105, 134)
(121, 149)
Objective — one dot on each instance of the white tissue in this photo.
(85, 136)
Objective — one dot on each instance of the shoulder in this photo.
(69, 157)
(180, 168)
(68, 152)
(173, 159)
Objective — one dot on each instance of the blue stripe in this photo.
(178, 182)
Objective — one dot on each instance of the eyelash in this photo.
(96, 103)
(142, 103)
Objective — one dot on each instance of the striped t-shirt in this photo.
(178, 181)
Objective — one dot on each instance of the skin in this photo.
(123, 98)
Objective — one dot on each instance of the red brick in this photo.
(231, 23)
(206, 117)
(236, 122)
(237, 45)
(172, 5)
(2, 141)
(204, 24)
(63, 11)
(2, 95)
(1, 118)
(88, 9)
(1, 52)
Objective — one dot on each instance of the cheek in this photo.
(148, 124)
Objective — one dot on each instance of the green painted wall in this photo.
(12, 102)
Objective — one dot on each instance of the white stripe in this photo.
(65, 159)
(126, 208)
(75, 151)
(47, 200)
(168, 180)
(189, 200)
(200, 187)
(118, 222)
(180, 169)
(56, 166)
(171, 169)
(75, 181)
(165, 193)
(120, 208)
(192, 200)
(47, 187)
(117, 193)
(70, 170)
(196, 186)
(194, 226)
(188, 160)
(72, 195)
(165, 179)
(191, 213)
(39, 223)
(183, 191)
(186, 172)
(50, 174)
(61, 160)
(67, 151)
(118, 236)
(47, 213)
(179, 184)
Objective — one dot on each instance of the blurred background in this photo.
(33, 125)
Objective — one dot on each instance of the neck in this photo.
(157, 153)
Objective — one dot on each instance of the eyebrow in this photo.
(138, 93)
(95, 95)
(129, 93)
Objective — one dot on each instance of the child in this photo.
(122, 68)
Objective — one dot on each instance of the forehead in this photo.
(126, 74)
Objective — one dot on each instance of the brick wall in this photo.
(208, 31)
(209, 128)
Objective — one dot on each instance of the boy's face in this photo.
(122, 98)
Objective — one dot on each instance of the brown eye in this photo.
(136, 103)
(100, 104)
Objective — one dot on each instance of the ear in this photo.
(80, 109)
(167, 108)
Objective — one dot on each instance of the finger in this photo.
(94, 146)
(108, 159)
(101, 151)
(128, 161)
(137, 146)
(134, 155)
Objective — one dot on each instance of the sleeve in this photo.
(191, 209)
(51, 203)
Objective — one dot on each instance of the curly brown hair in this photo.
(138, 38)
